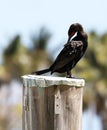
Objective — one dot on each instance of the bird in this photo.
(71, 53)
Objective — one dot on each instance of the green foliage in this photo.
(96, 56)
(15, 58)
(41, 39)
(19, 60)
(13, 46)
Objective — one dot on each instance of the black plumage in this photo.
(71, 53)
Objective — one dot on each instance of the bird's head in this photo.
(73, 29)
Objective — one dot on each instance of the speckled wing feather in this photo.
(70, 51)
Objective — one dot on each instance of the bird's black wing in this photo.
(67, 55)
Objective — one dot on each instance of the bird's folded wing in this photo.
(68, 54)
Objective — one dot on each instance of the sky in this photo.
(25, 17)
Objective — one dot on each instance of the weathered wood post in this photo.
(52, 103)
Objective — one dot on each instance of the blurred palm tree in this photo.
(41, 39)
(40, 56)
(13, 47)
(19, 60)
(14, 58)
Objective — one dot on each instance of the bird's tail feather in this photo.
(41, 71)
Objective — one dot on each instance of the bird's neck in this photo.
(81, 36)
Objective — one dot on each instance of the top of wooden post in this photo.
(46, 81)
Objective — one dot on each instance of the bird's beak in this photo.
(68, 39)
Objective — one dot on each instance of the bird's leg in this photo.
(69, 75)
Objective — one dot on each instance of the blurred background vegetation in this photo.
(18, 60)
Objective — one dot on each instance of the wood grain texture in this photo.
(25, 109)
(41, 108)
(71, 109)
(56, 107)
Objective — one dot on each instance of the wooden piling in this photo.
(52, 103)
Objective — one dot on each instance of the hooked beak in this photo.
(68, 39)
